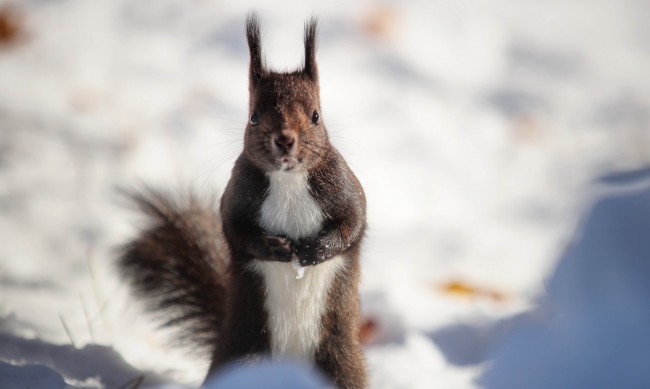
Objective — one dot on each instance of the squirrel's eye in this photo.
(254, 120)
(315, 117)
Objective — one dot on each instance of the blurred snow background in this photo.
(479, 131)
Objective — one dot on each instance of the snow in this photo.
(594, 330)
(268, 375)
(503, 248)
(300, 270)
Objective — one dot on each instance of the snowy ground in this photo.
(477, 130)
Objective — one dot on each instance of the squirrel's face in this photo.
(285, 129)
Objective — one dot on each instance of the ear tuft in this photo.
(311, 36)
(255, 46)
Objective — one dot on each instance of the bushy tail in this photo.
(178, 264)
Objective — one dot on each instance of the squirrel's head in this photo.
(285, 129)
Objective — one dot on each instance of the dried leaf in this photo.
(462, 289)
(526, 129)
(11, 25)
(368, 331)
(381, 22)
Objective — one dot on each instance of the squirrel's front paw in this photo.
(274, 248)
(310, 252)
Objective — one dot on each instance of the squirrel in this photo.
(274, 271)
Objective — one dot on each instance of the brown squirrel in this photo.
(276, 270)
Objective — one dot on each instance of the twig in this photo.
(67, 331)
(90, 326)
(100, 301)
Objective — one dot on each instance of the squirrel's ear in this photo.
(311, 34)
(254, 45)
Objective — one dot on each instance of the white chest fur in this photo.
(294, 306)
(289, 208)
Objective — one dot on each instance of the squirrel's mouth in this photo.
(287, 163)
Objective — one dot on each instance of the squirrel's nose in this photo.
(284, 141)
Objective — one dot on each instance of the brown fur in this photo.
(179, 264)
